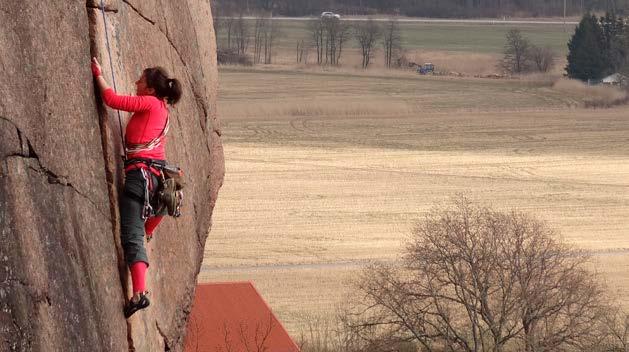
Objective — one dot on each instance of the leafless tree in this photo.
(195, 333)
(326, 334)
(615, 330)
(329, 36)
(317, 32)
(255, 340)
(261, 335)
(241, 35)
(228, 342)
(542, 57)
(259, 32)
(475, 279)
(229, 24)
(343, 32)
(391, 41)
(516, 52)
(301, 50)
(367, 33)
(335, 33)
(273, 31)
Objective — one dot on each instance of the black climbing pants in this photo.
(131, 222)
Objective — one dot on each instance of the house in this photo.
(615, 79)
(234, 317)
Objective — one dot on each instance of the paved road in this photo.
(437, 20)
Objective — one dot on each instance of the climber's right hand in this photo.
(96, 70)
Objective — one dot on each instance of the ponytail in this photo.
(165, 88)
(174, 91)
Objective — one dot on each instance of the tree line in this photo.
(246, 42)
(422, 8)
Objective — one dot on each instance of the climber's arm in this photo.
(112, 99)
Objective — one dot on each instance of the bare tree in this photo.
(255, 340)
(229, 25)
(259, 34)
(241, 35)
(260, 336)
(336, 33)
(615, 330)
(317, 32)
(474, 279)
(301, 50)
(516, 52)
(273, 31)
(542, 57)
(320, 333)
(391, 41)
(329, 36)
(195, 333)
(367, 33)
(342, 36)
(228, 342)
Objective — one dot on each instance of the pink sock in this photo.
(138, 276)
(151, 224)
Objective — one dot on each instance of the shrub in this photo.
(232, 57)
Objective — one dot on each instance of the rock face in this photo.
(63, 282)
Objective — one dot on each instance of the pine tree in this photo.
(614, 45)
(586, 56)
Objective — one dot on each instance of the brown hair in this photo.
(169, 88)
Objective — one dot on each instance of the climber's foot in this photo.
(137, 302)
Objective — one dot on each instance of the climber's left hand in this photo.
(96, 70)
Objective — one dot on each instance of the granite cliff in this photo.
(63, 282)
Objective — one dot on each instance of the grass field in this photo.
(464, 48)
(328, 170)
(466, 37)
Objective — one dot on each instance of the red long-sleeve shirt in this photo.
(147, 122)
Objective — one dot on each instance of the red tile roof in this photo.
(233, 317)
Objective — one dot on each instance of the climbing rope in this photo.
(113, 75)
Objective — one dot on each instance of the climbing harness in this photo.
(111, 66)
(169, 194)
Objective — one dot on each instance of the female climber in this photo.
(145, 147)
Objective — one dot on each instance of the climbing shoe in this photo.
(136, 303)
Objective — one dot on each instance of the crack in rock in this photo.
(39, 296)
(107, 8)
(199, 235)
(139, 13)
(161, 333)
(52, 178)
(130, 341)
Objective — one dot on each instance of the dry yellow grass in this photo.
(313, 192)
(446, 62)
(598, 95)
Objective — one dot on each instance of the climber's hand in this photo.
(96, 70)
